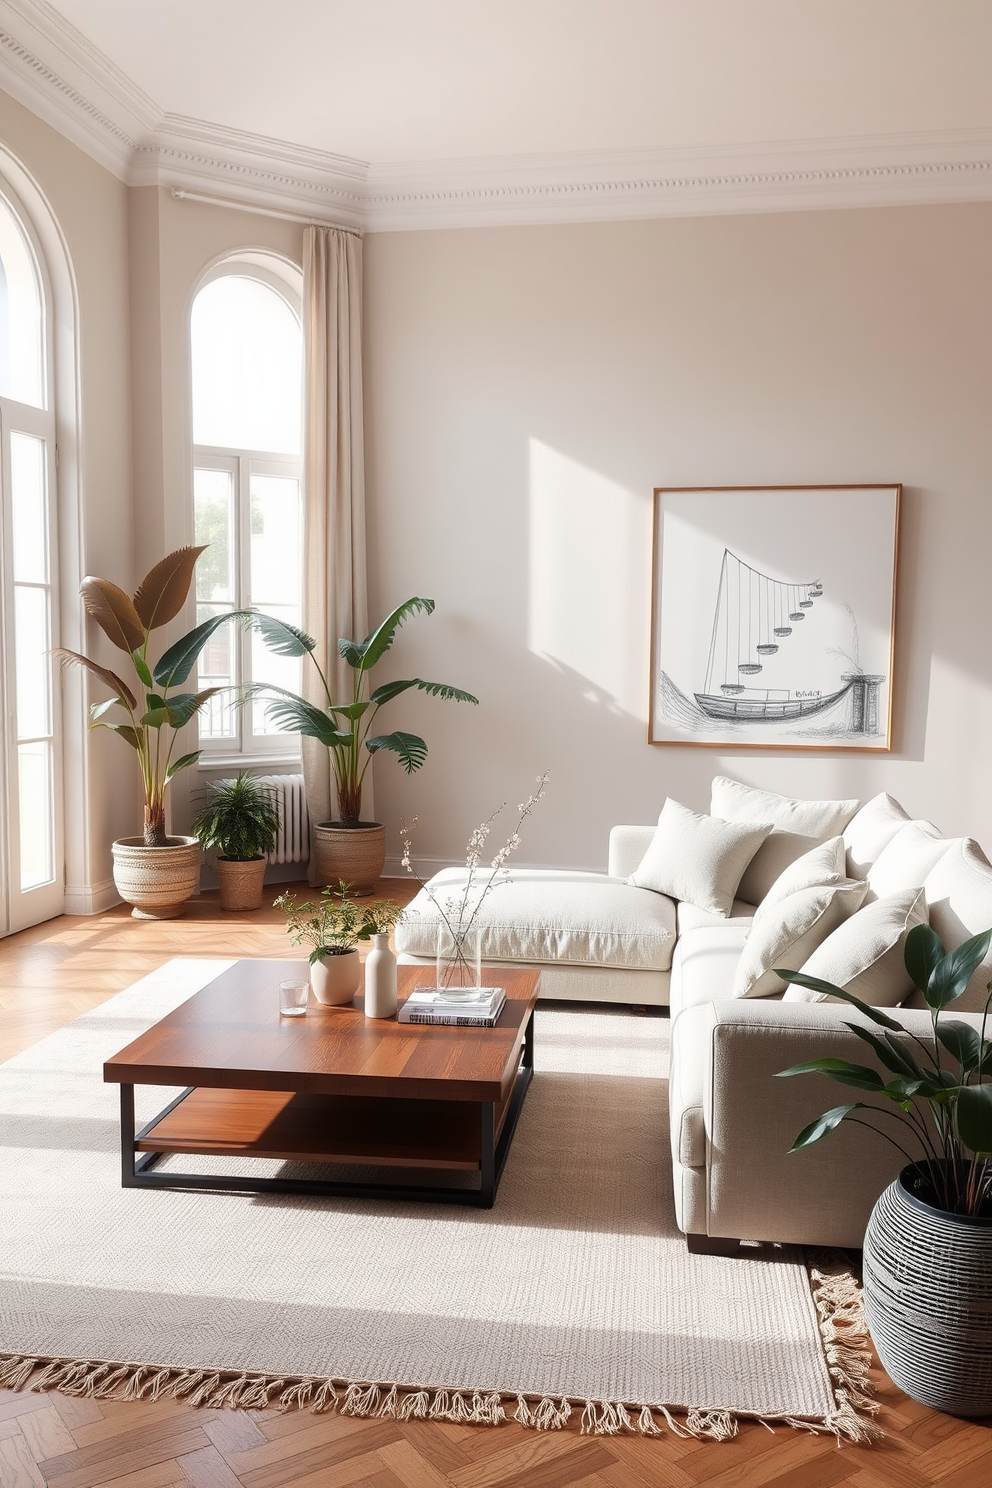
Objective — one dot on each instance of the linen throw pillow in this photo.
(698, 859)
(871, 829)
(820, 866)
(865, 955)
(789, 932)
(913, 853)
(797, 826)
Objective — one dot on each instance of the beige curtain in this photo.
(335, 602)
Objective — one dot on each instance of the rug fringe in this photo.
(836, 1296)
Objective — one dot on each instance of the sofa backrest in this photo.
(627, 847)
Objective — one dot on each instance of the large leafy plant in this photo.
(939, 1089)
(154, 712)
(345, 726)
(239, 818)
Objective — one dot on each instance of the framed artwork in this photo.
(773, 616)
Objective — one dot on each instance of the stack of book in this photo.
(429, 1005)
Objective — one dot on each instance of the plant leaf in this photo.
(162, 592)
(114, 612)
(924, 951)
(894, 1058)
(110, 679)
(815, 985)
(126, 732)
(181, 764)
(299, 716)
(185, 705)
(973, 1117)
(389, 690)
(175, 664)
(97, 710)
(142, 669)
(411, 749)
(282, 638)
(375, 646)
(824, 1125)
(353, 711)
(351, 652)
(841, 1070)
(963, 1043)
(155, 718)
(954, 971)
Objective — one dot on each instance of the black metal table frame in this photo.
(136, 1170)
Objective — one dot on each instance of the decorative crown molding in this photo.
(51, 68)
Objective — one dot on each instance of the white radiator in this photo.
(293, 839)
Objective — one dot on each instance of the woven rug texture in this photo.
(575, 1291)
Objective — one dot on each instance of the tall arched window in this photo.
(31, 877)
(247, 364)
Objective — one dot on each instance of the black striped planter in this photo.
(928, 1300)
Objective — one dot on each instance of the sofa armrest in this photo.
(627, 847)
(756, 1189)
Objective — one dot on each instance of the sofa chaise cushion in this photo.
(797, 825)
(544, 915)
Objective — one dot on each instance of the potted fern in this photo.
(240, 820)
(350, 848)
(928, 1246)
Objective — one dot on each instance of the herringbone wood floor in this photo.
(55, 972)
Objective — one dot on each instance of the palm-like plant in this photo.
(239, 818)
(947, 1107)
(151, 726)
(345, 728)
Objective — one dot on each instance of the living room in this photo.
(605, 249)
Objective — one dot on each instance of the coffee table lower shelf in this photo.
(398, 1134)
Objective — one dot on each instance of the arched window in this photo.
(247, 374)
(31, 887)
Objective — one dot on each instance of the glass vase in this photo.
(459, 962)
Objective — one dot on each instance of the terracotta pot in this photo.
(335, 979)
(240, 882)
(157, 881)
(354, 855)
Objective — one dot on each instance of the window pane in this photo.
(283, 671)
(34, 776)
(22, 361)
(217, 668)
(31, 645)
(275, 541)
(247, 346)
(213, 507)
(27, 481)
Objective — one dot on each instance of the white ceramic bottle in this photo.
(380, 979)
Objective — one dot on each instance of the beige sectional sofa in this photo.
(599, 937)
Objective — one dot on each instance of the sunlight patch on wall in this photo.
(589, 589)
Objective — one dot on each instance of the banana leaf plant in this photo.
(150, 726)
(938, 1088)
(345, 727)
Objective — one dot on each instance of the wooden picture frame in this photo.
(792, 585)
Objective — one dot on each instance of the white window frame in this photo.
(247, 748)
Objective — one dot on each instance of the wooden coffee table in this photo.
(333, 1087)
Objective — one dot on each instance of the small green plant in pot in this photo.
(928, 1245)
(240, 820)
(333, 927)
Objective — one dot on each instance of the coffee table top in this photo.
(230, 1035)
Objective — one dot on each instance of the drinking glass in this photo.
(293, 998)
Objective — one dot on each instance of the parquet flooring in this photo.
(55, 972)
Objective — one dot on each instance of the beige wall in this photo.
(526, 389)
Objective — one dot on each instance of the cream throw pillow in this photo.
(908, 859)
(798, 827)
(788, 934)
(820, 866)
(698, 859)
(871, 829)
(866, 955)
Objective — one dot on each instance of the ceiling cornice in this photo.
(50, 67)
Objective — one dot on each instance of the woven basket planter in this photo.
(157, 881)
(240, 883)
(353, 855)
(928, 1300)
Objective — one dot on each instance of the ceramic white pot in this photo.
(157, 881)
(335, 979)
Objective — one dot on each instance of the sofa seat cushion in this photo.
(705, 965)
(691, 917)
(544, 915)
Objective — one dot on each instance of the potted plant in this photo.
(332, 928)
(928, 1246)
(349, 848)
(154, 873)
(240, 819)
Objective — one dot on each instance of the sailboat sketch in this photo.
(773, 613)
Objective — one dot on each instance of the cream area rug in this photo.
(574, 1293)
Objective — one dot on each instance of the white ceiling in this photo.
(443, 112)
